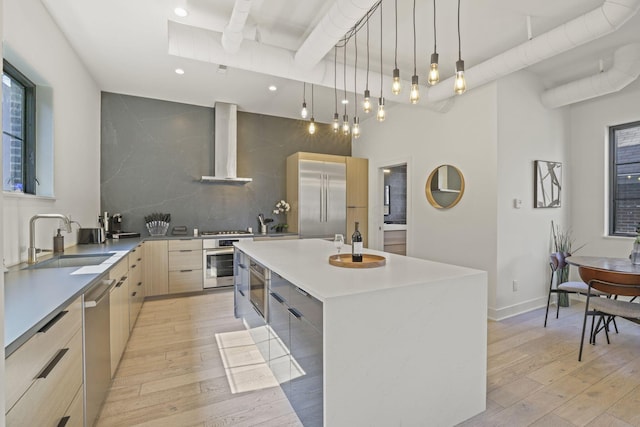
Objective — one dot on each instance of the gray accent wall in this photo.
(154, 152)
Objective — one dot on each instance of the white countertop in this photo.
(305, 263)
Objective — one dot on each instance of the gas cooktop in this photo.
(225, 233)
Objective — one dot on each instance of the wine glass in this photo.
(338, 241)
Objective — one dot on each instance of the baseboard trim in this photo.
(502, 313)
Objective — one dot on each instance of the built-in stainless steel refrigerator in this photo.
(322, 199)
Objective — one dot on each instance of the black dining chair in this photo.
(611, 283)
(557, 262)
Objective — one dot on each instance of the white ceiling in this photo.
(125, 45)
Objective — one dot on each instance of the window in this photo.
(624, 207)
(18, 131)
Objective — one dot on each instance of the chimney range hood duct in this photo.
(225, 146)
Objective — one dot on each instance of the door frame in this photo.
(376, 211)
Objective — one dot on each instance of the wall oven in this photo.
(217, 261)
(259, 278)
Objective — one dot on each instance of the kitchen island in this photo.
(402, 344)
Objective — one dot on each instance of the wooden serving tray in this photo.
(368, 261)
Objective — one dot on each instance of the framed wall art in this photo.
(548, 184)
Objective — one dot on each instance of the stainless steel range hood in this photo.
(225, 146)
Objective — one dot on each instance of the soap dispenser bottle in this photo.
(58, 243)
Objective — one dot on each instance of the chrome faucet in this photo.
(33, 252)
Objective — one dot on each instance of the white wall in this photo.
(35, 45)
(2, 398)
(465, 137)
(527, 131)
(588, 153)
(492, 134)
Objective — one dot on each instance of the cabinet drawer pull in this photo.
(53, 321)
(185, 271)
(240, 291)
(134, 266)
(277, 297)
(139, 283)
(123, 278)
(242, 266)
(46, 371)
(119, 284)
(134, 294)
(301, 291)
(256, 310)
(63, 421)
(139, 259)
(295, 312)
(186, 250)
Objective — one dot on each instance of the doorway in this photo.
(394, 210)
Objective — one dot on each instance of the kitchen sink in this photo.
(71, 261)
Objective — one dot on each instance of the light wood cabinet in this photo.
(360, 215)
(185, 265)
(52, 390)
(119, 312)
(156, 267)
(357, 182)
(136, 283)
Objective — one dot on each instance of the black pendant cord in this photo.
(312, 101)
(381, 49)
(304, 92)
(395, 60)
(459, 43)
(414, 37)
(335, 76)
(367, 88)
(435, 44)
(355, 77)
(345, 77)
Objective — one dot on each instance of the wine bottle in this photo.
(356, 245)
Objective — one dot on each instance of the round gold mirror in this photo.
(445, 187)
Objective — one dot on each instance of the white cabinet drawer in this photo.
(27, 361)
(46, 402)
(185, 281)
(185, 260)
(185, 244)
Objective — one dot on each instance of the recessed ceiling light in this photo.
(273, 88)
(179, 71)
(180, 11)
(345, 101)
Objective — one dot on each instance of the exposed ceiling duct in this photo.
(205, 45)
(583, 29)
(625, 69)
(233, 35)
(342, 16)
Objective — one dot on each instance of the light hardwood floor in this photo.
(186, 355)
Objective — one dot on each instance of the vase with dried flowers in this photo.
(563, 245)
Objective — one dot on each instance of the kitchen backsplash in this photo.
(154, 152)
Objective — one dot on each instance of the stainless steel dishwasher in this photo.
(96, 348)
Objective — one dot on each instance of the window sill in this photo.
(18, 195)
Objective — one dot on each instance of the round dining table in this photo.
(619, 265)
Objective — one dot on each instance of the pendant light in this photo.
(434, 73)
(396, 87)
(312, 122)
(460, 85)
(303, 112)
(381, 115)
(414, 95)
(345, 118)
(335, 126)
(366, 103)
(356, 119)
